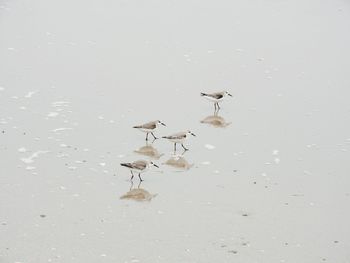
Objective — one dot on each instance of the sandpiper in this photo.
(216, 97)
(149, 127)
(179, 138)
(139, 167)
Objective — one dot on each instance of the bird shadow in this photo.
(149, 150)
(179, 162)
(216, 120)
(137, 193)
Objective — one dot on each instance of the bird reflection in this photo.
(179, 162)
(149, 150)
(215, 120)
(138, 194)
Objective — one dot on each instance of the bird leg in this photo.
(184, 147)
(154, 136)
(216, 111)
(147, 136)
(132, 175)
(140, 177)
(174, 146)
(218, 105)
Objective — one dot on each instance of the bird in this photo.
(139, 167)
(216, 97)
(149, 127)
(179, 138)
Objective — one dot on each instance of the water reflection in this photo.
(138, 194)
(149, 150)
(215, 120)
(179, 162)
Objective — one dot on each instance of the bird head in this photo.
(227, 93)
(189, 132)
(152, 163)
(161, 123)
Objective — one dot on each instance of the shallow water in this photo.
(265, 180)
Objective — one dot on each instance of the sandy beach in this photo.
(265, 180)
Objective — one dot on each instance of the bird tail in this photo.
(203, 94)
(125, 164)
(136, 127)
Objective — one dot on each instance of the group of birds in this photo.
(142, 166)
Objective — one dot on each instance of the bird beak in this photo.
(156, 165)
(163, 124)
(229, 94)
(193, 134)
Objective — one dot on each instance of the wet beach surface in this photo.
(265, 180)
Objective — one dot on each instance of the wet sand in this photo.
(265, 180)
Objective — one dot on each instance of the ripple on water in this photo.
(52, 114)
(22, 150)
(61, 129)
(30, 94)
(209, 146)
(30, 159)
(60, 103)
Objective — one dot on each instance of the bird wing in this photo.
(140, 165)
(217, 95)
(149, 125)
(175, 136)
(129, 165)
